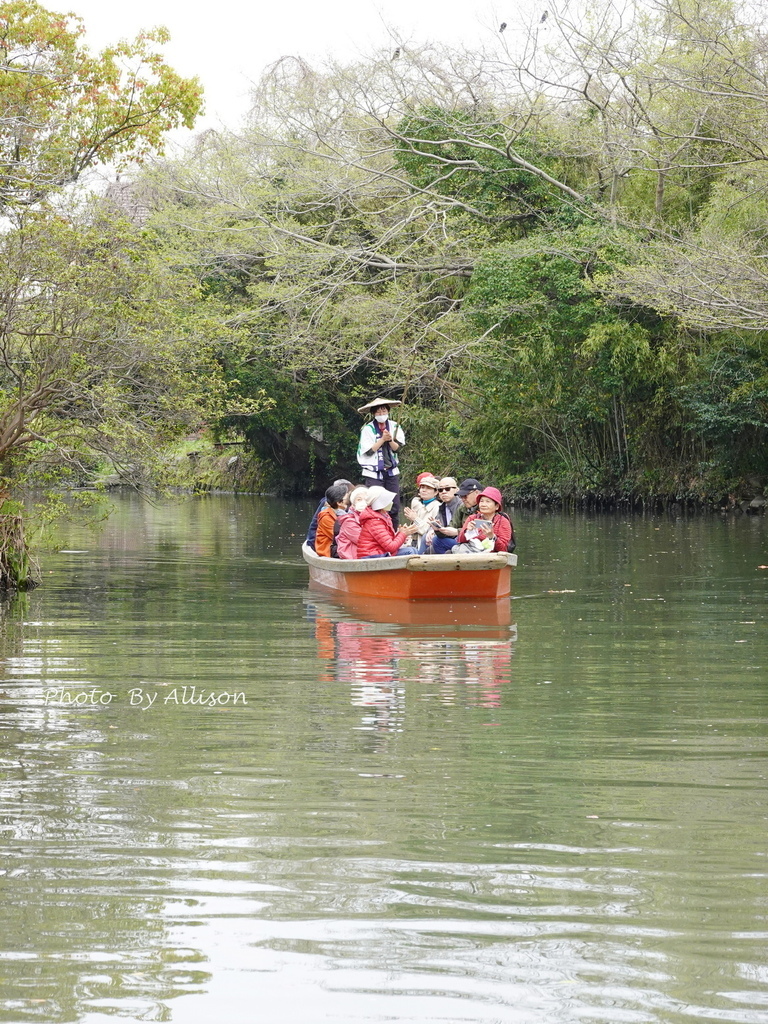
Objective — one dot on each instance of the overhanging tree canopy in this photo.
(569, 229)
(103, 347)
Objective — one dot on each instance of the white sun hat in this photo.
(379, 498)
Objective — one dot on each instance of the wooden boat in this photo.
(480, 577)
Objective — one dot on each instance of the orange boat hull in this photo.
(417, 578)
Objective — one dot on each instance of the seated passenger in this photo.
(423, 508)
(349, 525)
(448, 502)
(312, 531)
(336, 501)
(446, 537)
(498, 536)
(377, 534)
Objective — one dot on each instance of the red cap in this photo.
(493, 493)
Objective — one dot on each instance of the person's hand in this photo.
(409, 514)
(386, 436)
(413, 528)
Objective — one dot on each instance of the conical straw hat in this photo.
(389, 402)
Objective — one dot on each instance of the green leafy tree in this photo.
(64, 109)
(552, 392)
(102, 346)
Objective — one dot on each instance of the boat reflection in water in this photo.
(444, 618)
(454, 652)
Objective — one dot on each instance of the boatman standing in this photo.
(380, 440)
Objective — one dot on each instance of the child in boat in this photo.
(336, 501)
(498, 534)
(377, 534)
(348, 526)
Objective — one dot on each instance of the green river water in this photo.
(556, 818)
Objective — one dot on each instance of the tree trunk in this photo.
(659, 197)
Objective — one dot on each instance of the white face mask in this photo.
(381, 419)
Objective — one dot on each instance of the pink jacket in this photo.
(349, 532)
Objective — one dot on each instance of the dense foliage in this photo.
(557, 262)
(553, 250)
(105, 348)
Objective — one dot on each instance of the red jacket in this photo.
(377, 535)
(502, 530)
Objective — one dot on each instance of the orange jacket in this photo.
(324, 537)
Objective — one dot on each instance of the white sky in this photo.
(227, 43)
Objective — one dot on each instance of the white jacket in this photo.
(369, 461)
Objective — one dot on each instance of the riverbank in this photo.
(198, 464)
(595, 502)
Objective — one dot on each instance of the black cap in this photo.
(469, 485)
